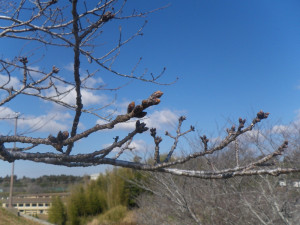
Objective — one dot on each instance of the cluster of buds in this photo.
(231, 130)
(58, 140)
(154, 99)
(282, 148)
(23, 60)
(137, 111)
(116, 139)
(157, 139)
(182, 118)
(260, 116)
(192, 128)
(140, 127)
(107, 16)
(204, 140)
(55, 69)
(241, 124)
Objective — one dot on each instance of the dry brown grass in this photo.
(8, 218)
(128, 219)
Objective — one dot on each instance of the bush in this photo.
(57, 212)
(114, 215)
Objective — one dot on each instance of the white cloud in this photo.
(69, 67)
(254, 135)
(49, 123)
(161, 120)
(278, 129)
(14, 81)
(291, 128)
(88, 97)
(137, 145)
(35, 74)
(6, 112)
(93, 82)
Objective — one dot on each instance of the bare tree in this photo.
(78, 25)
(241, 200)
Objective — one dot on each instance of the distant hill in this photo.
(44, 184)
(8, 218)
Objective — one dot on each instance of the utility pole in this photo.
(10, 204)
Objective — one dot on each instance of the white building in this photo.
(32, 204)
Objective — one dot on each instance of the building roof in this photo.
(35, 198)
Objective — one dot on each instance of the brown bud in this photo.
(52, 139)
(182, 118)
(23, 60)
(138, 109)
(107, 16)
(59, 136)
(130, 107)
(153, 132)
(65, 135)
(140, 127)
(157, 140)
(116, 138)
(140, 115)
(55, 69)
(266, 115)
(157, 94)
(145, 103)
(156, 101)
(262, 115)
(233, 128)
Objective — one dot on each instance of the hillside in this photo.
(8, 218)
(43, 184)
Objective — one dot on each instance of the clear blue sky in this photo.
(232, 58)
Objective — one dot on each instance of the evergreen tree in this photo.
(57, 212)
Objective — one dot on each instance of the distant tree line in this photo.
(52, 183)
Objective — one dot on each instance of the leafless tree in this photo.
(241, 200)
(78, 25)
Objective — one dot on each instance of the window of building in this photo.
(41, 204)
(33, 205)
(21, 204)
(27, 205)
(47, 204)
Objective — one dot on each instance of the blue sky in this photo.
(232, 58)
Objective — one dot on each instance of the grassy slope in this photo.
(8, 218)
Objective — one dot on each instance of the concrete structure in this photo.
(296, 184)
(289, 183)
(282, 183)
(94, 176)
(32, 204)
